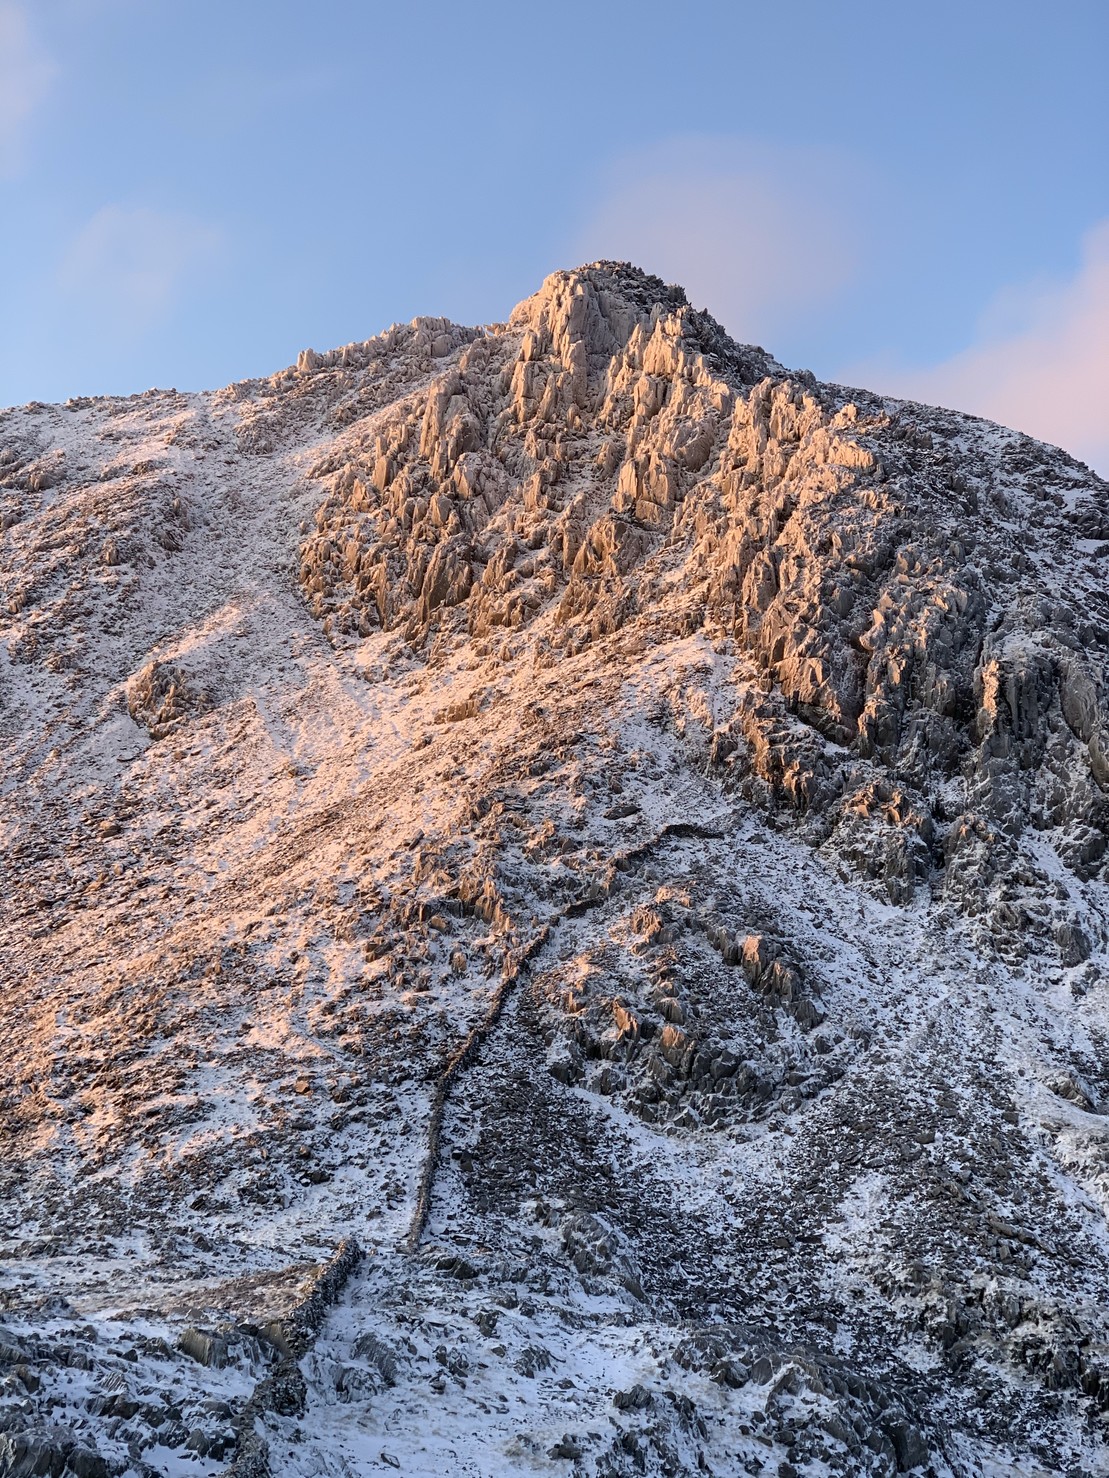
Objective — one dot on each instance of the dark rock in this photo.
(32, 1455)
(84, 1462)
(634, 1399)
(12, 1350)
(380, 1355)
(909, 1445)
(204, 1347)
(198, 1441)
(1073, 942)
(532, 1360)
(566, 1447)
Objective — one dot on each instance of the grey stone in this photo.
(634, 1399)
(85, 1462)
(1073, 942)
(204, 1347)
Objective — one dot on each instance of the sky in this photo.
(912, 198)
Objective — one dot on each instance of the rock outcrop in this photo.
(898, 585)
(612, 829)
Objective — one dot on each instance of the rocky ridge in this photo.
(616, 827)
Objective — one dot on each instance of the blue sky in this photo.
(915, 197)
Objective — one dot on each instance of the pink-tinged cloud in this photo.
(1040, 363)
(26, 72)
(755, 233)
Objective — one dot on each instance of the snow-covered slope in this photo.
(554, 918)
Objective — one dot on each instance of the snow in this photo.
(240, 953)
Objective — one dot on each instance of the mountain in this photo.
(554, 918)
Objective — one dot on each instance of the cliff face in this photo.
(919, 591)
(613, 827)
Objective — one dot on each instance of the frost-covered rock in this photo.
(623, 846)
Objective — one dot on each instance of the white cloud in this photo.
(26, 72)
(129, 264)
(755, 233)
(1040, 362)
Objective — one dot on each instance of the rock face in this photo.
(610, 828)
(899, 582)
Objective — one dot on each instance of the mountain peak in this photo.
(611, 826)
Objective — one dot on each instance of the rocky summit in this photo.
(554, 919)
